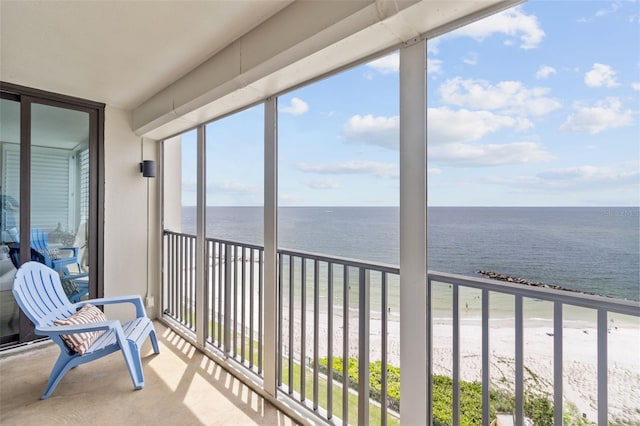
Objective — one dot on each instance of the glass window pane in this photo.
(59, 187)
(180, 181)
(338, 166)
(9, 196)
(235, 164)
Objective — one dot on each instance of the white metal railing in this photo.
(178, 290)
(330, 289)
(318, 297)
(602, 305)
(233, 292)
(308, 290)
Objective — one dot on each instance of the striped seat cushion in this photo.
(80, 342)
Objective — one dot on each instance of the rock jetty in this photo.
(524, 281)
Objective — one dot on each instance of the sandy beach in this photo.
(579, 352)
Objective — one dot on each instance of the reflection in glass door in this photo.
(10, 213)
(59, 194)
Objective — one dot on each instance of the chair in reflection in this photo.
(57, 258)
(75, 286)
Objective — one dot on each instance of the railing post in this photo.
(227, 298)
(270, 244)
(345, 345)
(603, 417)
(201, 317)
(486, 376)
(519, 349)
(557, 364)
(456, 355)
(364, 313)
(414, 356)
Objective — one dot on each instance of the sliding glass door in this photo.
(48, 167)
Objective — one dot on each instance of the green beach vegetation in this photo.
(537, 405)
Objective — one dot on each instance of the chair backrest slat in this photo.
(39, 239)
(38, 291)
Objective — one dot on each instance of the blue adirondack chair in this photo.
(53, 256)
(58, 258)
(40, 295)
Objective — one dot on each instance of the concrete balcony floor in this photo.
(182, 387)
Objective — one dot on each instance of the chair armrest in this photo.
(78, 277)
(74, 250)
(78, 328)
(136, 300)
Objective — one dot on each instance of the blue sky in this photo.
(536, 106)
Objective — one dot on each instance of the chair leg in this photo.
(60, 368)
(154, 341)
(131, 354)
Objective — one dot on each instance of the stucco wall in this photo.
(125, 227)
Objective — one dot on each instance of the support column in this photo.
(201, 314)
(414, 355)
(270, 244)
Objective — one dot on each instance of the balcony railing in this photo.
(324, 302)
(178, 290)
(234, 285)
(603, 306)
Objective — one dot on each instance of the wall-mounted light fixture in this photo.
(148, 168)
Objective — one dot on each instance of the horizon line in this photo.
(429, 206)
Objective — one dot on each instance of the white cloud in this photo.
(326, 183)
(610, 180)
(510, 96)
(512, 22)
(606, 114)
(379, 169)
(448, 126)
(635, 86)
(544, 72)
(234, 188)
(471, 58)
(590, 174)
(432, 45)
(189, 184)
(434, 66)
(434, 171)
(370, 130)
(613, 7)
(390, 64)
(580, 185)
(469, 126)
(601, 75)
(465, 154)
(287, 198)
(387, 64)
(296, 107)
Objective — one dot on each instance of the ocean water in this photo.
(591, 249)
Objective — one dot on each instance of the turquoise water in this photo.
(595, 250)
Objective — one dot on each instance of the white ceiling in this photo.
(92, 49)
